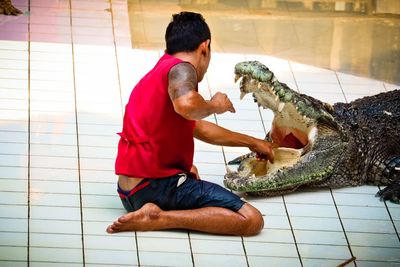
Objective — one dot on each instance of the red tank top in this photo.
(155, 141)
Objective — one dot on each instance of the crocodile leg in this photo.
(391, 173)
(7, 8)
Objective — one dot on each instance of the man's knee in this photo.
(254, 221)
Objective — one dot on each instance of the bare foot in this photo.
(140, 220)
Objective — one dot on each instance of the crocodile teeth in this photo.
(228, 170)
(237, 77)
(259, 85)
(281, 106)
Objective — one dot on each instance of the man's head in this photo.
(186, 32)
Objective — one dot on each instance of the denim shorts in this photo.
(179, 192)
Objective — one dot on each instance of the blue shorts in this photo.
(179, 192)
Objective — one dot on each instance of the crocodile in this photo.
(319, 145)
(7, 8)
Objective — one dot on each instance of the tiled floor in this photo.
(65, 74)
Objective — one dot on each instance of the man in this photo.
(158, 184)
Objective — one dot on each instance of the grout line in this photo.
(77, 136)
(121, 104)
(191, 248)
(29, 136)
(391, 218)
(341, 87)
(342, 225)
(116, 57)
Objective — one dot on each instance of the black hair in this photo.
(185, 32)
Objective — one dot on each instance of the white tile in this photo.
(320, 237)
(55, 213)
(98, 152)
(267, 208)
(53, 150)
(273, 236)
(55, 187)
(14, 160)
(54, 174)
(204, 260)
(373, 240)
(14, 137)
(174, 234)
(217, 247)
(110, 242)
(55, 226)
(260, 261)
(276, 222)
(13, 198)
(324, 251)
(68, 255)
(351, 212)
(325, 262)
(99, 228)
(13, 253)
(54, 139)
(13, 115)
(89, 188)
(164, 259)
(14, 211)
(14, 126)
(54, 162)
(112, 202)
(102, 215)
(52, 199)
(357, 200)
(55, 240)
(14, 224)
(377, 254)
(108, 257)
(13, 239)
(100, 176)
(270, 249)
(97, 164)
(14, 263)
(309, 210)
(14, 185)
(314, 223)
(165, 245)
(13, 84)
(369, 226)
(14, 148)
(324, 197)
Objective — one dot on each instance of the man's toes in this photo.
(110, 229)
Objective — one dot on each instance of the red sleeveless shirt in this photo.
(155, 141)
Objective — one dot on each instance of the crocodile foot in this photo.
(7, 8)
(391, 193)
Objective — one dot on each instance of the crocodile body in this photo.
(347, 144)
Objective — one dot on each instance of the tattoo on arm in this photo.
(182, 79)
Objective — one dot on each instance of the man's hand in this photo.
(221, 103)
(264, 149)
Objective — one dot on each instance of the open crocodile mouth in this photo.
(293, 132)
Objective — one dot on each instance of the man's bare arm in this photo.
(217, 135)
(182, 84)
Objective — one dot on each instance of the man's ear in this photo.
(205, 47)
